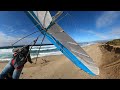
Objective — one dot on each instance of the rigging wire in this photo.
(72, 18)
(32, 46)
(62, 17)
(36, 39)
(31, 42)
(39, 48)
(26, 35)
(42, 38)
(39, 30)
(45, 34)
(38, 36)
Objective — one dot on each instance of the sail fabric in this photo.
(58, 33)
(44, 17)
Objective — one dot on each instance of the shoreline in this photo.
(60, 67)
(2, 61)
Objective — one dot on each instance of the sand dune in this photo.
(59, 67)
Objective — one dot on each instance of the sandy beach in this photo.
(60, 67)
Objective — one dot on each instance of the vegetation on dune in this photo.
(114, 42)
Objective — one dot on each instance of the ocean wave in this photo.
(34, 56)
(49, 46)
(46, 54)
(6, 59)
(34, 49)
(6, 54)
(5, 51)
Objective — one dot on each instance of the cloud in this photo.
(94, 33)
(24, 31)
(97, 34)
(115, 31)
(6, 40)
(107, 18)
(7, 27)
(13, 28)
(117, 37)
(114, 34)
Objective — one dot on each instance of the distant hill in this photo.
(97, 41)
(114, 42)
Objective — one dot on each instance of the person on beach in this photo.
(20, 57)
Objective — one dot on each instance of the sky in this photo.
(82, 26)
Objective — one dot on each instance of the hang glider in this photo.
(62, 40)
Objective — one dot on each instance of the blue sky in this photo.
(82, 26)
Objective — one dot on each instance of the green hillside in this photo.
(114, 42)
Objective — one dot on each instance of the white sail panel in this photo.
(44, 17)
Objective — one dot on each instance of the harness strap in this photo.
(19, 67)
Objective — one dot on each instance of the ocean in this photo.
(6, 53)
